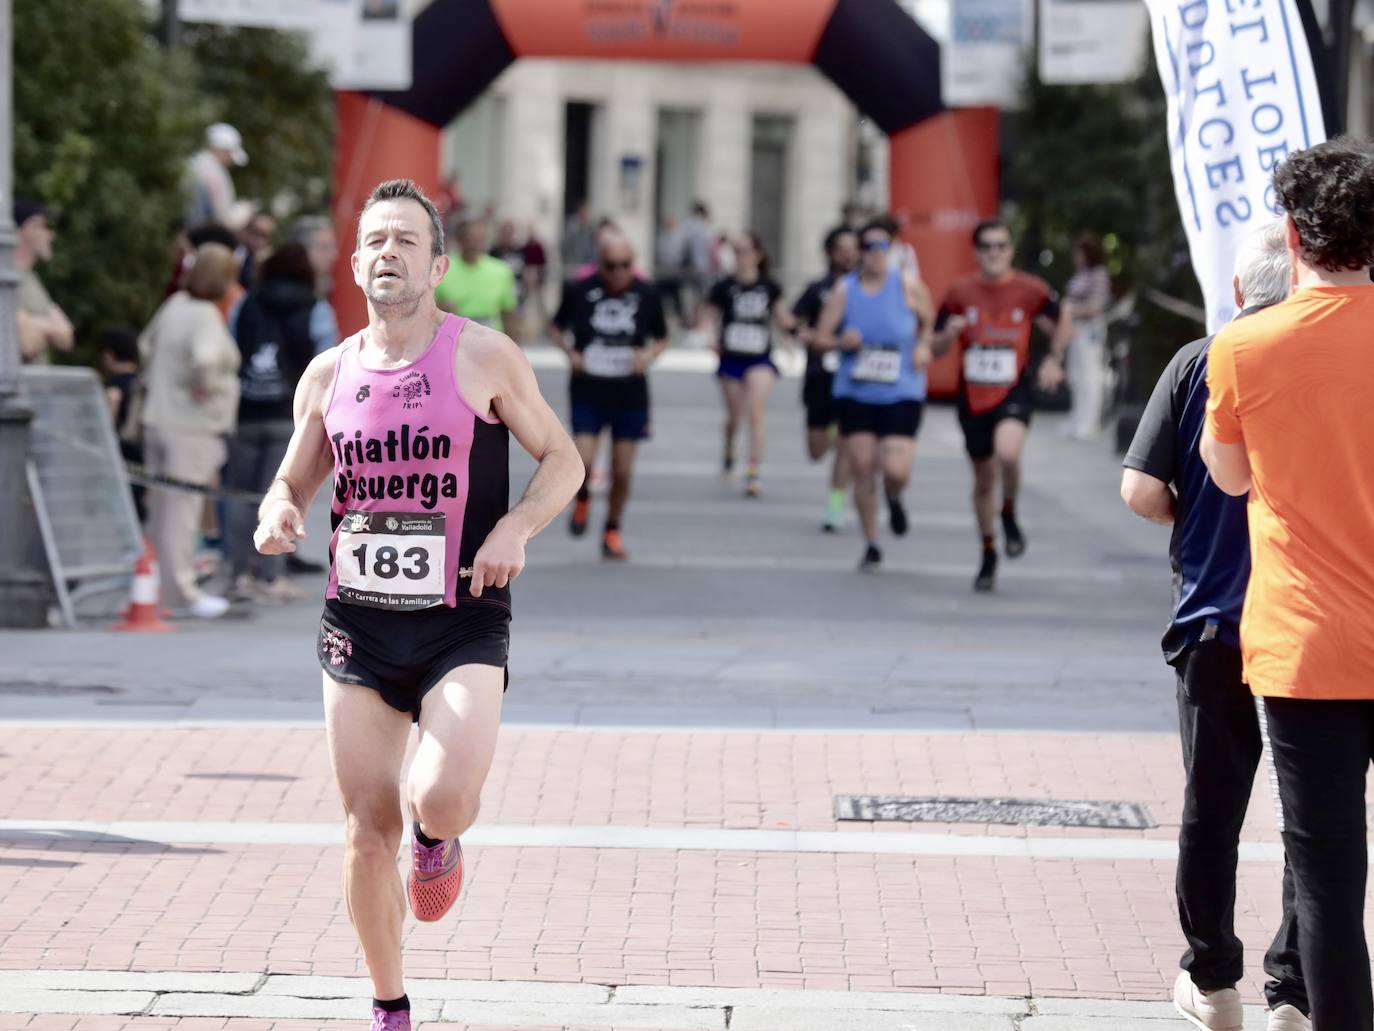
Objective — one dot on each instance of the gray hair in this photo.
(406, 189)
(1262, 267)
(306, 227)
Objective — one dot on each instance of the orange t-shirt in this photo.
(994, 350)
(1295, 384)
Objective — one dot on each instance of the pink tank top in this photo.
(420, 479)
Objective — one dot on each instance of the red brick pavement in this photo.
(964, 925)
(732, 779)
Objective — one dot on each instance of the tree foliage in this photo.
(103, 123)
(105, 120)
(1097, 157)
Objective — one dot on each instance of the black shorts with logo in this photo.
(979, 430)
(819, 399)
(896, 419)
(401, 655)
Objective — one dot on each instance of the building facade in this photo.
(772, 148)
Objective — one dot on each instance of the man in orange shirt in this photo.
(989, 316)
(1289, 420)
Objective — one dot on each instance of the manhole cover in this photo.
(1018, 811)
(27, 687)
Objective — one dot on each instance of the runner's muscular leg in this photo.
(367, 745)
(459, 721)
(622, 475)
(758, 383)
(586, 444)
(896, 455)
(1009, 440)
(985, 494)
(862, 449)
(733, 392)
(817, 443)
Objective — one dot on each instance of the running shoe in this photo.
(436, 876)
(872, 560)
(1213, 1011)
(987, 572)
(896, 516)
(1011, 532)
(612, 547)
(582, 508)
(751, 486)
(728, 464)
(1286, 1017)
(831, 524)
(384, 1021)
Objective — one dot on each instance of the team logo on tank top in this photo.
(412, 390)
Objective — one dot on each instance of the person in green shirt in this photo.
(477, 286)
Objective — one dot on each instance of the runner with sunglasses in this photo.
(611, 326)
(989, 316)
(875, 316)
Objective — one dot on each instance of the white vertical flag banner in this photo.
(1242, 95)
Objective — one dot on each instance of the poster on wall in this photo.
(364, 44)
(983, 62)
(1083, 42)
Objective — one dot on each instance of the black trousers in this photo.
(1220, 731)
(1322, 750)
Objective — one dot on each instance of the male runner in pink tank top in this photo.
(409, 420)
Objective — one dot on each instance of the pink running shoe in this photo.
(384, 1021)
(436, 876)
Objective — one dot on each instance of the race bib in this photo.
(990, 366)
(391, 560)
(609, 361)
(830, 361)
(878, 365)
(746, 338)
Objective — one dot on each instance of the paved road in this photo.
(659, 846)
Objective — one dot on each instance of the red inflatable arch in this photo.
(943, 168)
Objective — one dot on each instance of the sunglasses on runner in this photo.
(995, 245)
(876, 245)
(616, 266)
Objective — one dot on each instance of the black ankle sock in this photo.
(424, 839)
(611, 524)
(1009, 508)
(989, 542)
(393, 1005)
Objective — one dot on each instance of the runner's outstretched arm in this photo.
(308, 463)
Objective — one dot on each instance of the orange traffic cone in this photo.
(143, 605)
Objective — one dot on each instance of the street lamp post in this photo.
(24, 587)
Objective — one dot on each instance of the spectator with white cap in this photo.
(212, 194)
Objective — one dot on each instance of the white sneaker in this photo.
(1288, 1018)
(207, 606)
(1215, 1011)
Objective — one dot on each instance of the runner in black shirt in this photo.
(745, 306)
(842, 252)
(611, 326)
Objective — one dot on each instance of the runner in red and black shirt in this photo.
(988, 316)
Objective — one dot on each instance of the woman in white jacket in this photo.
(1087, 298)
(191, 370)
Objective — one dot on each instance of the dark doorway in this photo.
(577, 155)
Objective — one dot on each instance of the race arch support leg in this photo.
(944, 178)
(374, 142)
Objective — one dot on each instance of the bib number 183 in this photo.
(391, 560)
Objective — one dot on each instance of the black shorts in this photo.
(898, 419)
(401, 655)
(819, 400)
(979, 430)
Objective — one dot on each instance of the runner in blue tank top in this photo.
(876, 316)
